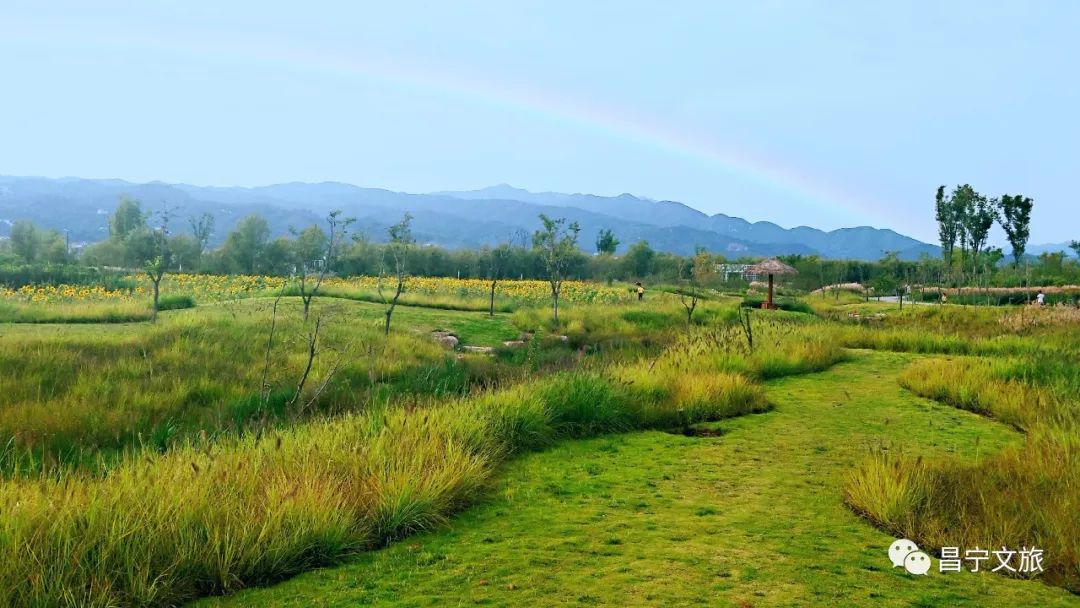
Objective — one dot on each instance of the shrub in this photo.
(175, 302)
(788, 304)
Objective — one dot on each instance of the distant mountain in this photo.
(863, 242)
(450, 219)
(1035, 250)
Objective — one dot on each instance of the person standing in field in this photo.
(1041, 298)
(640, 292)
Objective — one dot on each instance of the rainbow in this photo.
(546, 105)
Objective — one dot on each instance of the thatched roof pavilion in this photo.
(771, 267)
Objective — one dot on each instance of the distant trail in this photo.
(751, 518)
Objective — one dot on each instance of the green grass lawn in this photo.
(751, 518)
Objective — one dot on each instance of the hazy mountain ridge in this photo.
(451, 219)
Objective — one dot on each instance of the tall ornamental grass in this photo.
(210, 517)
(1024, 496)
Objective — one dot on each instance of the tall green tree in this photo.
(978, 222)
(963, 201)
(1016, 221)
(557, 244)
(245, 243)
(606, 243)
(638, 260)
(948, 226)
(127, 219)
(25, 240)
(309, 248)
(1075, 246)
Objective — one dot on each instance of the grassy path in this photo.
(751, 518)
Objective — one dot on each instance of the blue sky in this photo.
(826, 114)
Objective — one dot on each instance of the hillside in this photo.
(450, 219)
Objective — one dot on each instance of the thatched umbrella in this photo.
(771, 267)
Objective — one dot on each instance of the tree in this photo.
(401, 241)
(201, 229)
(496, 266)
(963, 204)
(278, 257)
(312, 246)
(53, 248)
(694, 273)
(948, 226)
(978, 221)
(639, 259)
(557, 243)
(184, 251)
(127, 219)
(25, 240)
(1075, 246)
(1016, 221)
(606, 243)
(157, 266)
(245, 243)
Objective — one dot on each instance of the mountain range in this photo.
(450, 219)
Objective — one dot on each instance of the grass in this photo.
(213, 516)
(89, 312)
(144, 465)
(751, 518)
(68, 395)
(1023, 496)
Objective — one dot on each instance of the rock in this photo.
(514, 343)
(445, 338)
(563, 339)
(483, 350)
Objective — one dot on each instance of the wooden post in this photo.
(769, 305)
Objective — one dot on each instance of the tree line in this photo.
(160, 241)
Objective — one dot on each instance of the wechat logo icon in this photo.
(906, 554)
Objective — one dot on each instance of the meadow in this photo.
(152, 464)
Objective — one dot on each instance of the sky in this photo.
(826, 114)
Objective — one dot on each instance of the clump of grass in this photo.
(176, 302)
(998, 388)
(1022, 497)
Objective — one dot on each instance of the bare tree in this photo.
(309, 284)
(397, 249)
(557, 241)
(201, 229)
(747, 327)
(264, 386)
(693, 274)
(496, 262)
